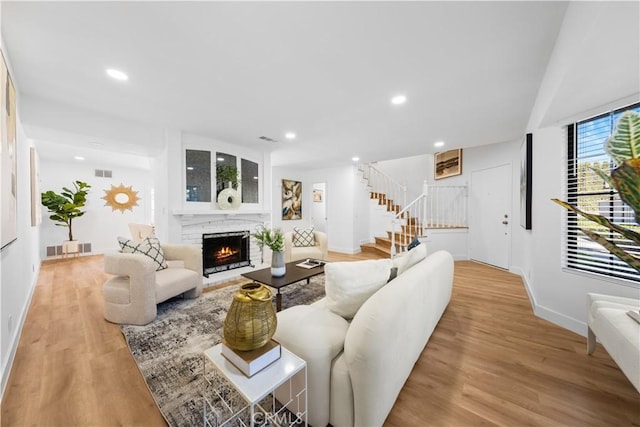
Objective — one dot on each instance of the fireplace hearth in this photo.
(225, 251)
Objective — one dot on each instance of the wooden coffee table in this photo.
(293, 275)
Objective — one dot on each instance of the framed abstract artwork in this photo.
(447, 163)
(526, 153)
(36, 205)
(291, 199)
(8, 158)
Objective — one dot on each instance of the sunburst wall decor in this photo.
(121, 198)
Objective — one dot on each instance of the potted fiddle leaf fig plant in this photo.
(274, 240)
(624, 148)
(64, 207)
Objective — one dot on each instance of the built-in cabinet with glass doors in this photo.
(201, 183)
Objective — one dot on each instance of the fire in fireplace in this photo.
(225, 251)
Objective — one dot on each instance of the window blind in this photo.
(587, 191)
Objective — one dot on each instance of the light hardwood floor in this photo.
(490, 361)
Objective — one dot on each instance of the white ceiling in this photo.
(235, 71)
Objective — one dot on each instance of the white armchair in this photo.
(131, 297)
(295, 253)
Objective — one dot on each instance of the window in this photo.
(249, 181)
(225, 161)
(587, 191)
(198, 173)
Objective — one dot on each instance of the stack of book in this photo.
(310, 263)
(252, 361)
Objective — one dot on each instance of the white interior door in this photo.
(490, 216)
(319, 207)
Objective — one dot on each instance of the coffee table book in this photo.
(310, 263)
(252, 361)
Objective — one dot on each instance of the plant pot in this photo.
(251, 320)
(278, 268)
(70, 247)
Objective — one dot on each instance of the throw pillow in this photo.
(150, 247)
(415, 242)
(393, 274)
(399, 262)
(303, 238)
(349, 284)
(414, 256)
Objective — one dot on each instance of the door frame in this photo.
(509, 199)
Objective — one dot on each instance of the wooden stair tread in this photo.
(376, 248)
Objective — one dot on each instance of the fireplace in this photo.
(225, 251)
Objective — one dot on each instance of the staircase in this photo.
(404, 233)
(437, 207)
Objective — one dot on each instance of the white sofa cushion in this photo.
(349, 284)
(618, 333)
(410, 258)
(173, 281)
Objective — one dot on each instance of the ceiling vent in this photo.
(266, 138)
(103, 173)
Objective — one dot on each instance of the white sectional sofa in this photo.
(619, 334)
(356, 369)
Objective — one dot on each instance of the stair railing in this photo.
(394, 193)
(447, 206)
(408, 224)
(439, 206)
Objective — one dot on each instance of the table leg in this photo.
(278, 300)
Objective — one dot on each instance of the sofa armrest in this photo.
(316, 335)
(130, 265)
(321, 241)
(139, 270)
(191, 255)
(288, 245)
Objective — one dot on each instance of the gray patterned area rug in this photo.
(169, 350)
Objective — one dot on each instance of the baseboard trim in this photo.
(6, 368)
(548, 314)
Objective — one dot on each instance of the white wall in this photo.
(579, 82)
(409, 171)
(100, 225)
(19, 262)
(346, 204)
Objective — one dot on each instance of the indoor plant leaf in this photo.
(602, 174)
(629, 234)
(614, 249)
(624, 143)
(626, 179)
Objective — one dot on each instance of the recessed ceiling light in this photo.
(117, 74)
(290, 135)
(438, 144)
(220, 159)
(190, 168)
(355, 158)
(78, 158)
(398, 99)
